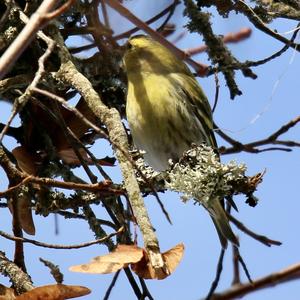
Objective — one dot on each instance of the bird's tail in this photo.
(222, 224)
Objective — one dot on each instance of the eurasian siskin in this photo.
(167, 112)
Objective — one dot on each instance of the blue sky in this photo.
(274, 97)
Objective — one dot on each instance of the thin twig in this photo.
(19, 257)
(55, 246)
(236, 37)
(216, 93)
(244, 8)
(252, 147)
(5, 16)
(103, 186)
(79, 31)
(169, 16)
(244, 266)
(111, 286)
(133, 283)
(215, 283)
(261, 238)
(151, 20)
(146, 292)
(71, 215)
(13, 114)
(105, 14)
(59, 11)
(236, 267)
(248, 64)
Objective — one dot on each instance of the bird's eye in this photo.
(129, 46)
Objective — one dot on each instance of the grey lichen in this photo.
(201, 176)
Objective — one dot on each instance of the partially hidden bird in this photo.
(167, 112)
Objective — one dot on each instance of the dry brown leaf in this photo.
(55, 292)
(6, 293)
(97, 268)
(123, 254)
(69, 156)
(25, 213)
(171, 257)
(143, 268)
(78, 127)
(27, 163)
(112, 262)
(26, 160)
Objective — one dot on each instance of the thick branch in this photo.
(288, 274)
(21, 280)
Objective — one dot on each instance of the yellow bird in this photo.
(167, 112)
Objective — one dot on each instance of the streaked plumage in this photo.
(167, 111)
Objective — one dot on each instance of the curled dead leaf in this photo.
(55, 292)
(68, 156)
(26, 160)
(78, 127)
(25, 213)
(21, 208)
(171, 257)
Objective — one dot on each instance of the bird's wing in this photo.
(194, 97)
